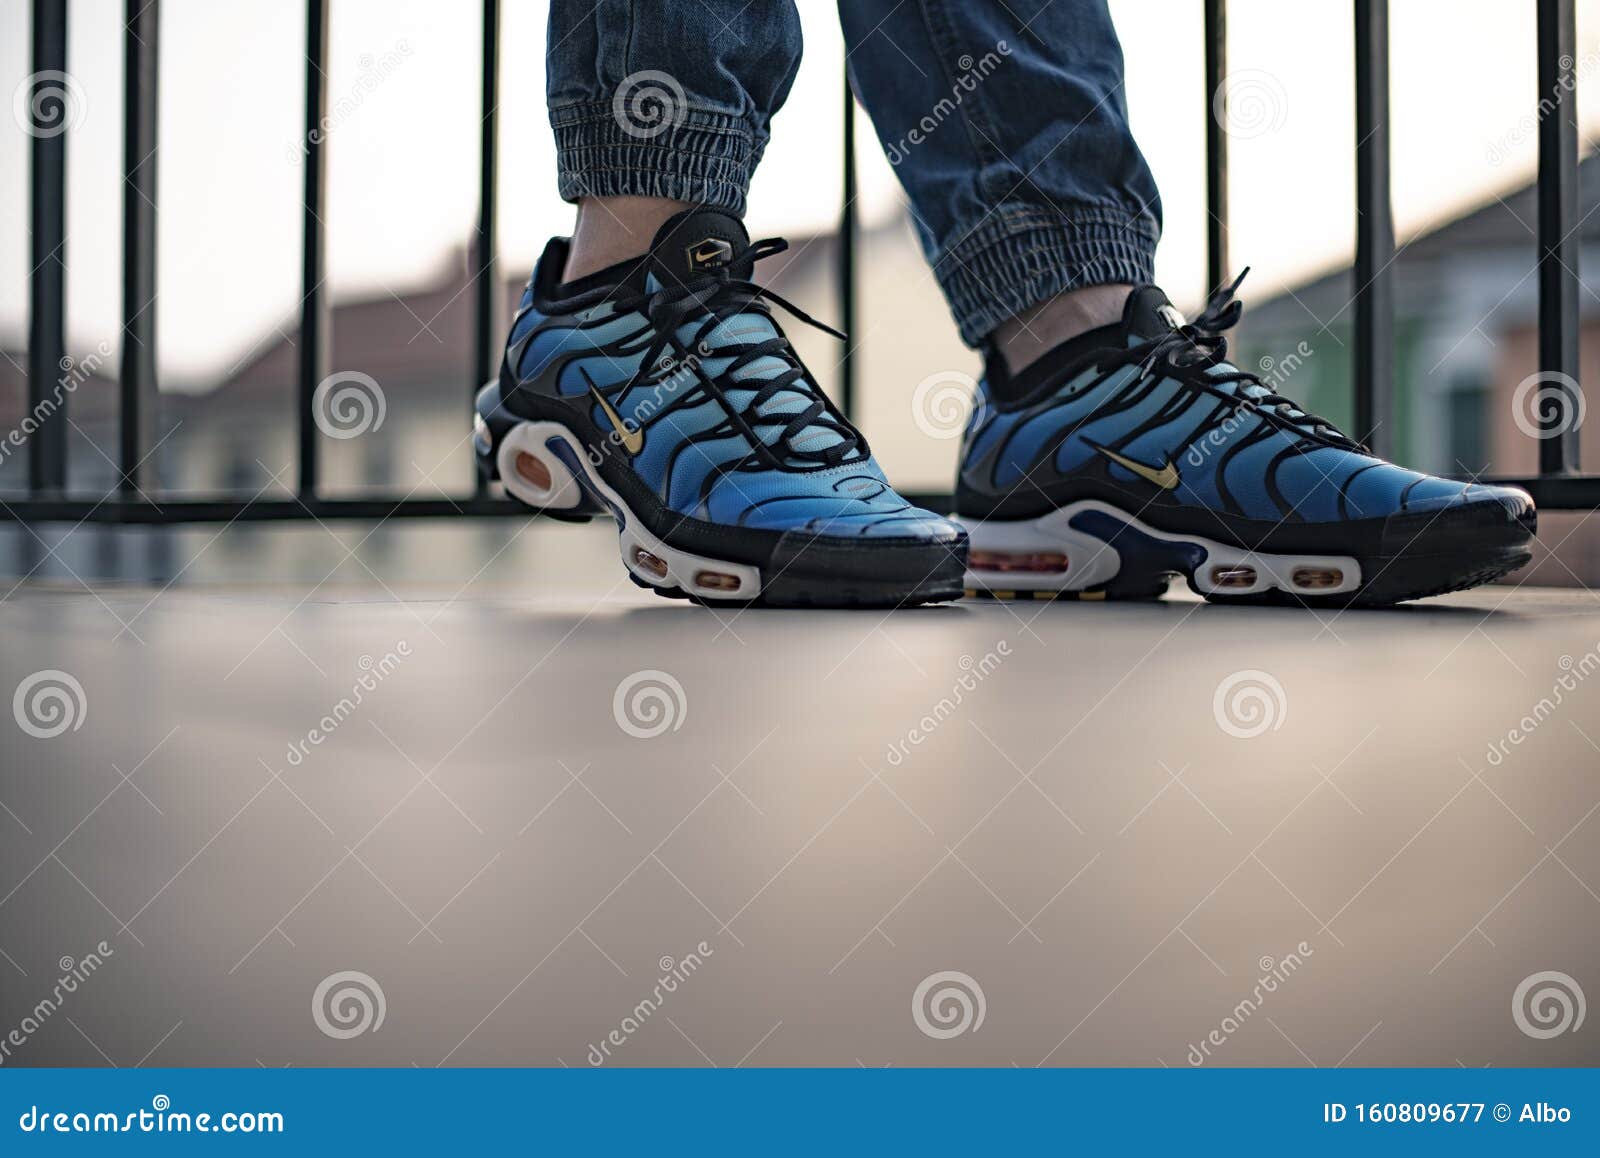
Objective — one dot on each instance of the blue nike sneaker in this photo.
(1137, 452)
(662, 392)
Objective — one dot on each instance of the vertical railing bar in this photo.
(485, 272)
(51, 110)
(1374, 283)
(849, 230)
(1216, 66)
(314, 357)
(141, 73)
(1558, 242)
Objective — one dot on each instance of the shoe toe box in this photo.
(1455, 516)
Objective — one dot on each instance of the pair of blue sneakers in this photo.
(664, 393)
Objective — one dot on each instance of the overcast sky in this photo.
(403, 164)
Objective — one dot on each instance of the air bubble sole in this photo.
(1113, 555)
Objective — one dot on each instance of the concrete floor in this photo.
(980, 834)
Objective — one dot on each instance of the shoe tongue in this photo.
(1148, 314)
(685, 248)
(696, 241)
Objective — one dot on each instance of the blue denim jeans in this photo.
(1005, 121)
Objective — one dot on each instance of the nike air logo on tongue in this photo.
(709, 253)
(697, 241)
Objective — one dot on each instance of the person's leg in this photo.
(659, 106)
(1008, 128)
(610, 230)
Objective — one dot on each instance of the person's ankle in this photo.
(1023, 339)
(613, 229)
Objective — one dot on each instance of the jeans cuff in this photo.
(695, 154)
(1022, 256)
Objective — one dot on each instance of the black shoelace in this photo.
(718, 296)
(1189, 353)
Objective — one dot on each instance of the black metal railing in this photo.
(1558, 484)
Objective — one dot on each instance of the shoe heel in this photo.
(536, 477)
(541, 464)
(510, 452)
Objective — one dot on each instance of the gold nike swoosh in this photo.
(1166, 478)
(632, 440)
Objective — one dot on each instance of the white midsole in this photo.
(1092, 562)
(738, 581)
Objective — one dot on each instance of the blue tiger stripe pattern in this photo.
(1149, 420)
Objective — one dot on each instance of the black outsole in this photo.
(846, 596)
(863, 595)
(819, 573)
(1105, 593)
